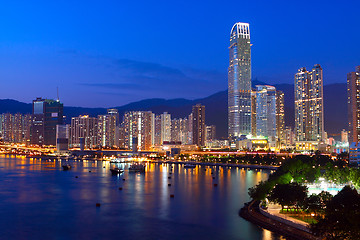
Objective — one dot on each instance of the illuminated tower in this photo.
(239, 81)
(46, 115)
(266, 111)
(353, 83)
(198, 114)
(309, 107)
(280, 116)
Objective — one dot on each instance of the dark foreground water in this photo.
(38, 200)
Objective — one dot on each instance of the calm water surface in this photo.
(41, 201)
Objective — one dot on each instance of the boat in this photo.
(66, 167)
(136, 167)
(116, 171)
(189, 165)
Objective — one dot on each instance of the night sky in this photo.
(109, 53)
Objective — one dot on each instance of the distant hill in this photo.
(335, 107)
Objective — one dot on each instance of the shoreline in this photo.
(251, 213)
(250, 166)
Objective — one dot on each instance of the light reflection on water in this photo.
(46, 202)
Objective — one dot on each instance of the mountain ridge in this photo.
(335, 107)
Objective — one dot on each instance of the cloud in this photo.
(152, 79)
(113, 85)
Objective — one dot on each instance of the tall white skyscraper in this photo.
(239, 81)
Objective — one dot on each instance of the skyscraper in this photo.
(139, 130)
(210, 133)
(266, 112)
(47, 114)
(107, 130)
(309, 107)
(83, 127)
(280, 117)
(198, 114)
(165, 127)
(353, 86)
(239, 81)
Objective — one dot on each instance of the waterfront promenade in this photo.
(252, 213)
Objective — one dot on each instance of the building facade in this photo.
(165, 127)
(353, 88)
(309, 107)
(47, 114)
(266, 112)
(280, 117)
(198, 115)
(239, 81)
(83, 127)
(139, 130)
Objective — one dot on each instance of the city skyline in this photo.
(104, 59)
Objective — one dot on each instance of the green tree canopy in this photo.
(292, 194)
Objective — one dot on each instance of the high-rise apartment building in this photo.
(157, 130)
(15, 128)
(190, 129)
(83, 127)
(210, 133)
(47, 114)
(175, 130)
(198, 114)
(309, 107)
(266, 112)
(165, 127)
(239, 81)
(353, 88)
(280, 117)
(289, 137)
(139, 130)
(107, 128)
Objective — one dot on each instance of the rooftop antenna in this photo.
(57, 91)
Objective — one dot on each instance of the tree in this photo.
(292, 194)
(342, 215)
(313, 203)
(325, 198)
(260, 191)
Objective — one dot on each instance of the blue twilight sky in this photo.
(109, 53)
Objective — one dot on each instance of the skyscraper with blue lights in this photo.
(239, 81)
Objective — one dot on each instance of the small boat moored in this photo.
(66, 167)
(116, 171)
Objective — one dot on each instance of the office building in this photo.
(309, 107)
(353, 87)
(198, 116)
(266, 112)
(239, 81)
(47, 114)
